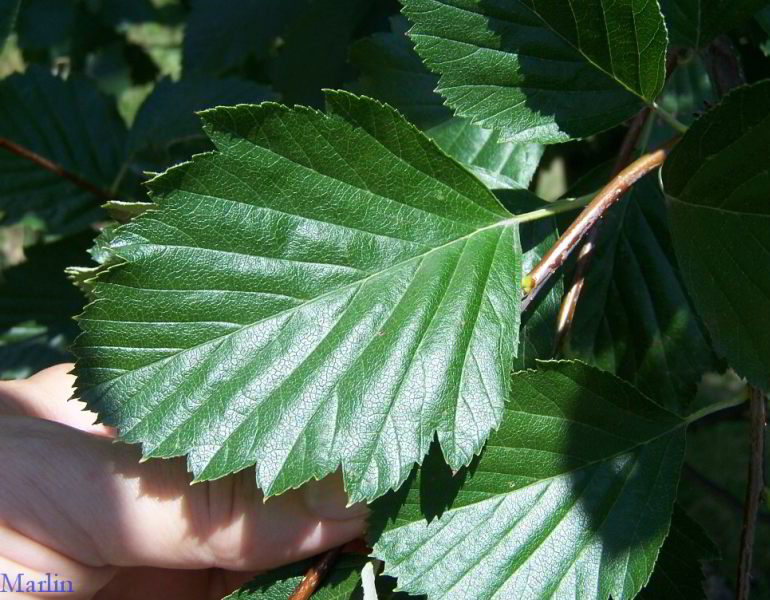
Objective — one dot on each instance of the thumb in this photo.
(90, 500)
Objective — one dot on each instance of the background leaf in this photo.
(166, 127)
(37, 303)
(221, 36)
(342, 583)
(719, 186)
(69, 123)
(635, 318)
(678, 573)
(315, 43)
(8, 11)
(392, 72)
(572, 497)
(323, 289)
(537, 71)
(695, 23)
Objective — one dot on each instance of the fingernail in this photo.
(327, 499)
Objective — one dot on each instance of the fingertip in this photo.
(327, 499)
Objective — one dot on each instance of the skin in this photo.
(75, 503)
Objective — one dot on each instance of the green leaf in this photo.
(634, 317)
(392, 72)
(8, 11)
(220, 36)
(571, 498)
(763, 20)
(42, 24)
(69, 123)
(540, 71)
(538, 323)
(678, 574)
(323, 289)
(314, 50)
(36, 307)
(696, 22)
(342, 583)
(166, 126)
(718, 183)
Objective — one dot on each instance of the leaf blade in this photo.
(391, 71)
(542, 513)
(720, 219)
(553, 63)
(311, 322)
(69, 123)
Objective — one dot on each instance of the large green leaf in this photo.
(69, 123)
(343, 582)
(392, 72)
(678, 573)
(37, 303)
(323, 289)
(718, 182)
(8, 11)
(571, 498)
(539, 70)
(634, 317)
(696, 22)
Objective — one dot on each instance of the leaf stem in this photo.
(669, 118)
(715, 407)
(315, 575)
(609, 195)
(585, 256)
(52, 167)
(757, 423)
(555, 208)
(639, 130)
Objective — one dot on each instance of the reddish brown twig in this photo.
(52, 167)
(315, 575)
(758, 421)
(570, 300)
(591, 214)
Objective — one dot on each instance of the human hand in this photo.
(76, 504)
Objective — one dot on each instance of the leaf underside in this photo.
(571, 498)
(322, 290)
(538, 70)
(720, 220)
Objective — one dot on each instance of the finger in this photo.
(89, 499)
(46, 395)
(36, 571)
(144, 582)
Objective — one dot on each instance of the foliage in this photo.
(312, 231)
